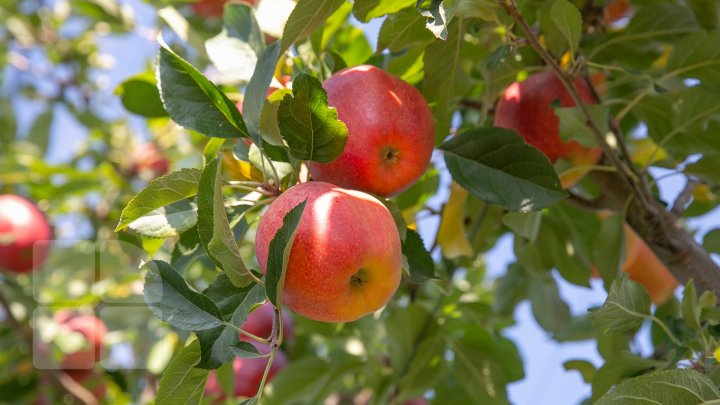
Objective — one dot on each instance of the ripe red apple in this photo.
(616, 10)
(260, 323)
(24, 235)
(391, 132)
(248, 375)
(148, 162)
(94, 331)
(525, 107)
(346, 259)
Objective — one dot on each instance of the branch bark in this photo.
(660, 229)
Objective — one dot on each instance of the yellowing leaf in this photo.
(716, 353)
(645, 149)
(451, 236)
(239, 170)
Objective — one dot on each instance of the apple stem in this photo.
(261, 388)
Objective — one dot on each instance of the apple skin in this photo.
(525, 107)
(644, 267)
(260, 323)
(416, 401)
(391, 132)
(94, 330)
(25, 235)
(213, 8)
(346, 259)
(248, 375)
(149, 162)
(615, 10)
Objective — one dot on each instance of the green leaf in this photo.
(609, 247)
(279, 253)
(497, 166)
(525, 224)
(619, 367)
(163, 191)
(214, 229)
(584, 367)
(306, 17)
(171, 299)
(548, 308)
(217, 344)
(437, 17)
(170, 220)
(625, 308)
(39, 134)
(234, 59)
(421, 263)
(366, 10)
(186, 249)
(403, 30)
(257, 87)
(573, 126)
(139, 95)
(311, 128)
(239, 22)
(568, 23)
(498, 56)
(697, 56)
(707, 12)
(690, 308)
(397, 217)
(677, 387)
(405, 328)
(181, 383)
(195, 102)
(711, 241)
(245, 350)
(226, 296)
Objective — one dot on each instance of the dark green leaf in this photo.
(437, 17)
(139, 95)
(677, 387)
(239, 22)
(186, 249)
(279, 253)
(163, 191)
(711, 241)
(214, 229)
(405, 328)
(609, 248)
(181, 383)
(171, 299)
(690, 307)
(308, 125)
(497, 57)
(257, 87)
(561, 23)
(39, 134)
(625, 309)
(497, 166)
(697, 56)
(525, 224)
(573, 124)
(617, 368)
(245, 350)
(306, 17)
(584, 367)
(550, 311)
(194, 102)
(421, 263)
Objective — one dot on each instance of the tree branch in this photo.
(660, 229)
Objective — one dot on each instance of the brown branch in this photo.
(71, 386)
(684, 197)
(660, 229)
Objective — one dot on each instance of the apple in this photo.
(391, 132)
(248, 374)
(346, 259)
(25, 235)
(525, 107)
(615, 10)
(260, 323)
(149, 162)
(644, 267)
(416, 401)
(94, 331)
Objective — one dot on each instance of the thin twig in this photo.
(684, 197)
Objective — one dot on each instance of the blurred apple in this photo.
(93, 330)
(248, 374)
(25, 235)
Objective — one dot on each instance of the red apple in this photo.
(24, 235)
(346, 259)
(525, 107)
(149, 162)
(391, 132)
(94, 331)
(248, 374)
(260, 323)
(616, 10)
(416, 401)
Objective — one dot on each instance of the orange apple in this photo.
(391, 132)
(644, 267)
(346, 260)
(615, 10)
(94, 331)
(525, 107)
(260, 323)
(24, 235)
(248, 374)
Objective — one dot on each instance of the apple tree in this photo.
(289, 162)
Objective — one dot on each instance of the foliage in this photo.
(168, 260)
